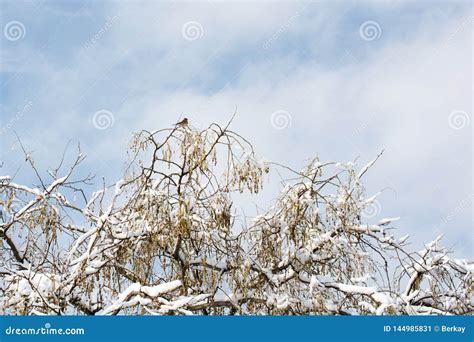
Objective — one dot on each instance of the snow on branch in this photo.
(173, 221)
(137, 293)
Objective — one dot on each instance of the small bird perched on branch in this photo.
(182, 123)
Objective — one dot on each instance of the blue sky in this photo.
(403, 85)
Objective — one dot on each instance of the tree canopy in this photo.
(168, 239)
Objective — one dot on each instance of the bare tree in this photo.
(167, 239)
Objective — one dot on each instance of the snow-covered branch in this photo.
(169, 238)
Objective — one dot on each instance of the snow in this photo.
(154, 291)
(365, 228)
(326, 255)
(372, 199)
(178, 304)
(223, 297)
(133, 295)
(119, 187)
(94, 266)
(366, 167)
(465, 264)
(387, 221)
(34, 285)
(282, 301)
(403, 239)
(354, 289)
(56, 183)
(362, 279)
(303, 255)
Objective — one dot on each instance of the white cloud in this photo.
(396, 95)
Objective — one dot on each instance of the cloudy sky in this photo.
(339, 80)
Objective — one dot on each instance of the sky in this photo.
(340, 80)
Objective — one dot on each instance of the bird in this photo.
(182, 123)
